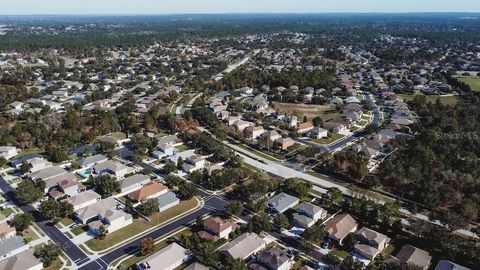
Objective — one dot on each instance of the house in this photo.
(165, 150)
(167, 201)
(111, 167)
(410, 257)
(353, 112)
(150, 190)
(91, 161)
(196, 266)
(8, 152)
(25, 260)
(168, 258)
(447, 265)
(241, 124)
(371, 243)
(253, 133)
(37, 164)
(305, 127)
(133, 183)
(364, 149)
(302, 221)
(12, 246)
(216, 228)
(104, 213)
(276, 259)
(171, 140)
(311, 210)
(282, 202)
(271, 135)
(336, 125)
(47, 173)
(318, 133)
(193, 163)
(340, 226)
(243, 246)
(19, 161)
(83, 199)
(67, 179)
(284, 143)
(6, 230)
(70, 187)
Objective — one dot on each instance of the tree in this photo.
(389, 212)
(350, 241)
(50, 209)
(147, 246)
(235, 208)
(170, 167)
(317, 121)
(48, 253)
(3, 162)
(281, 221)
(260, 222)
(22, 221)
(28, 193)
(102, 232)
(334, 197)
(350, 263)
(236, 264)
(332, 260)
(25, 167)
(148, 207)
(105, 185)
(187, 191)
(306, 246)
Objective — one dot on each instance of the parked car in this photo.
(327, 244)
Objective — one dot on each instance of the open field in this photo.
(326, 112)
(446, 100)
(473, 81)
(140, 225)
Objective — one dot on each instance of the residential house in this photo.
(371, 243)
(25, 260)
(8, 152)
(364, 149)
(447, 265)
(37, 164)
(276, 259)
(282, 202)
(91, 161)
(216, 228)
(196, 266)
(83, 199)
(171, 140)
(353, 112)
(167, 200)
(410, 257)
(193, 163)
(284, 143)
(150, 190)
(114, 168)
(271, 135)
(338, 125)
(305, 127)
(19, 161)
(104, 213)
(134, 182)
(252, 133)
(168, 258)
(241, 125)
(340, 226)
(165, 150)
(318, 133)
(311, 210)
(12, 246)
(243, 246)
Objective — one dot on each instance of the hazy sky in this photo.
(17, 7)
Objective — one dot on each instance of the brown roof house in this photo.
(410, 257)
(371, 243)
(305, 127)
(275, 259)
(149, 191)
(340, 226)
(284, 143)
(217, 228)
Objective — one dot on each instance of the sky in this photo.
(71, 7)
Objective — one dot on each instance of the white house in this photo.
(168, 258)
(83, 199)
(318, 133)
(8, 152)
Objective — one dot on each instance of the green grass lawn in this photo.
(140, 225)
(119, 135)
(448, 100)
(473, 81)
(6, 211)
(259, 153)
(29, 234)
(130, 262)
(330, 139)
(66, 221)
(80, 229)
(181, 148)
(340, 253)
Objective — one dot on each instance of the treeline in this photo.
(440, 168)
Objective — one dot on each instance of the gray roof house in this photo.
(282, 202)
(133, 182)
(243, 246)
(448, 265)
(92, 160)
(12, 246)
(22, 261)
(275, 258)
(168, 258)
(167, 200)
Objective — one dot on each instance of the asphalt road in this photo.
(73, 251)
(212, 204)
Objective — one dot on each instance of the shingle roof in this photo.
(243, 246)
(21, 261)
(273, 257)
(340, 225)
(147, 190)
(9, 244)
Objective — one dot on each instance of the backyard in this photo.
(473, 81)
(446, 100)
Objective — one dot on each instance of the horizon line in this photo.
(245, 13)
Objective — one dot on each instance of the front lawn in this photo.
(80, 229)
(332, 137)
(140, 225)
(66, 221)
(6, 211)
(340, 253)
